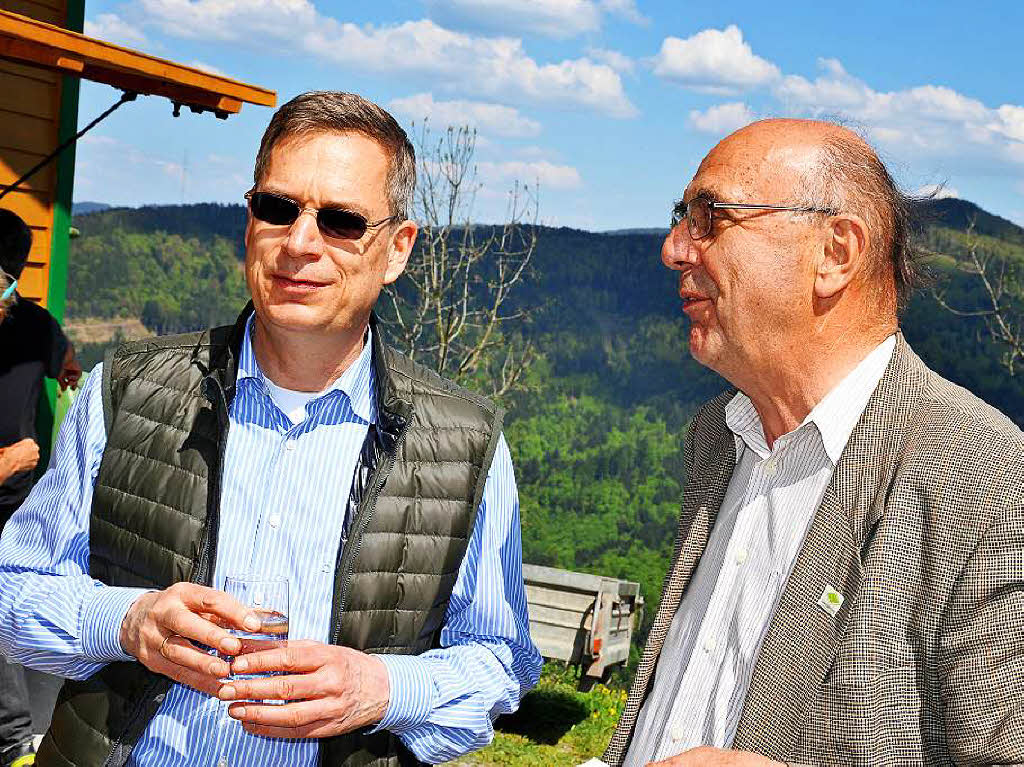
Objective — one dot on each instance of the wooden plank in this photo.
(26, 40)
(34, 208)
(556, 617)
(568, 600)
(554, 644)
(28, 97)
(29, 72)
(34, 9)
(27, 133)
(33, 282)
(13, 164)
(39, 253)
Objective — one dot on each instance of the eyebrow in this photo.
(707, 193)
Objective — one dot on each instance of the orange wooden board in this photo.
(14, 163)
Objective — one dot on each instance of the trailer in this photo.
(587, 620)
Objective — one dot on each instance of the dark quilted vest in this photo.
(155, 518)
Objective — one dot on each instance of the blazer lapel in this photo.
(802, 638)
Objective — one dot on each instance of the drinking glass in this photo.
(268, 598)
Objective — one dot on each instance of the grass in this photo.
(556, 725)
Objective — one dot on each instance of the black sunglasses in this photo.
(334, 222)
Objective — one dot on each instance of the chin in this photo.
(294, 316)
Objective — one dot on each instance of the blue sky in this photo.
(609, 104)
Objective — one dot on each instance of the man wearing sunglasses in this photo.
(296, 443)
(848, 583)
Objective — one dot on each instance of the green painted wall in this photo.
(49, 408)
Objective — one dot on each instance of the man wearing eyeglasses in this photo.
(296, 443)
(848, 583)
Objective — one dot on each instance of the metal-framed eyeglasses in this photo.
(699, 213)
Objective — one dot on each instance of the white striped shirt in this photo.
(705, 666)
(285, 485)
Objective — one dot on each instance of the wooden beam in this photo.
(44, 45)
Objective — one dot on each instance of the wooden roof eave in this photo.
(29, 41)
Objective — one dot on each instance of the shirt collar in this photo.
(835, 416)
(356, 382)
(839, 411)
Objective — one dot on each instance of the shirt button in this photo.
(275, 520)
(678, 732)
(325, 567)
(741, 556)
(289, 445)
(771, 467)
(709, 644)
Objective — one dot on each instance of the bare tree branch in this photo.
(1003, 293)
(451, 309)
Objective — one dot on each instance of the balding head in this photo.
(824, 165)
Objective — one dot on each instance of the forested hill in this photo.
(596, 439)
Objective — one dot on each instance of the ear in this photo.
(846, 248)
(247, 241)
(399, 250)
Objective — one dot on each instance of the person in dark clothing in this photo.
(32, 346)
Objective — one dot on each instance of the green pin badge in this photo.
(830, 600)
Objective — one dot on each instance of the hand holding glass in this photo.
(268, 598)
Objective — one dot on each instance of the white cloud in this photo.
(548, 174)
(938, 191)
(1010, 121)
(626, 9)
(554, 18)
(927, 121)
(494, 67)
(722, 118)
(492, 118)
(560, 19)
(713, 60)
(620, 62)
(113, 29)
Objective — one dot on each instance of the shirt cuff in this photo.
(102, 616)
(412, 693)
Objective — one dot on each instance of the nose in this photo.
(678, 251)
(304, 237)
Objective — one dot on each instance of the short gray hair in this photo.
(339, 112)
(851, 178)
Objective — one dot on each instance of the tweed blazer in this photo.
(921, 529)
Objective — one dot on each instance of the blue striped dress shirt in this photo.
(284, 485)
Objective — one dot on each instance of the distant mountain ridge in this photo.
(228, 219)
(960, 214)
(85, 207)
